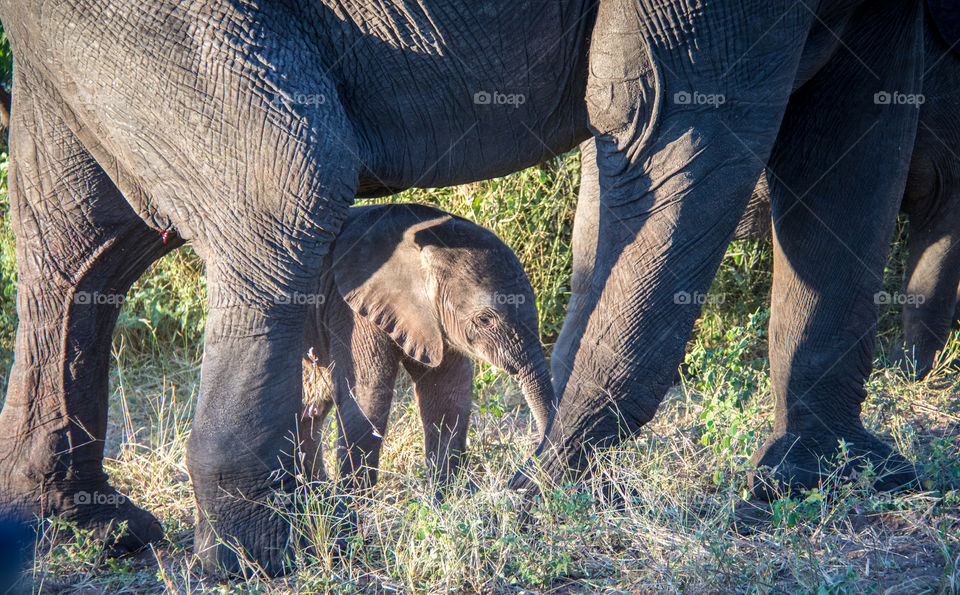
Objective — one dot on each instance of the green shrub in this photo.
(729, 378)
(166, 308)
(6, 60)
(8, 279)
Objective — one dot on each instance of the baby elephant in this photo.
(414, 286)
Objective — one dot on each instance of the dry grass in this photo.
(675, 521)
(671, 527)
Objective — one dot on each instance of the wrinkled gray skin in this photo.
(248, 128)
(932, 202)
(414, 286)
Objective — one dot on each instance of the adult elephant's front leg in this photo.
(687, 104)
(263, 257)
(835, 182)
(585, 230)
(241, 452)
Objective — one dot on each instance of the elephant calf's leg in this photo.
(444, 395)
(79, 248)
(317, 402)
(366, 372)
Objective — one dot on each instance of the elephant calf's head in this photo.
(432, 281)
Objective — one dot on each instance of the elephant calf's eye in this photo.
(484, 320)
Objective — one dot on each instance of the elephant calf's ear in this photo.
(377, 271)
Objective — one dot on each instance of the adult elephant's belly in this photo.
(393, 160)
(440, 95)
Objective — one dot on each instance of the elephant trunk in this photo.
(537, 388)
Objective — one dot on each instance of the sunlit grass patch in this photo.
(663, 512)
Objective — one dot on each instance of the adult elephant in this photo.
(828, 257)
(248, 128)
(931, 200)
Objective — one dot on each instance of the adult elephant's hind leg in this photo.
(79, 248)
(836, 176)
(932, 200)
(933, 274)
(585, 230)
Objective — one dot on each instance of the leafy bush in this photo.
(8, 279)
(166, 308)
(728, 378)
(6, 60)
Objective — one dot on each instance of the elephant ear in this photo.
(946, 16)
(377, 270)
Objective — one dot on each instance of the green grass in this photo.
(678, 520)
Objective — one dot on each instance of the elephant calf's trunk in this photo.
(537, 388)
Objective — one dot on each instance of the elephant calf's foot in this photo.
(109, 515)
(336, 523)
(789, 463)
